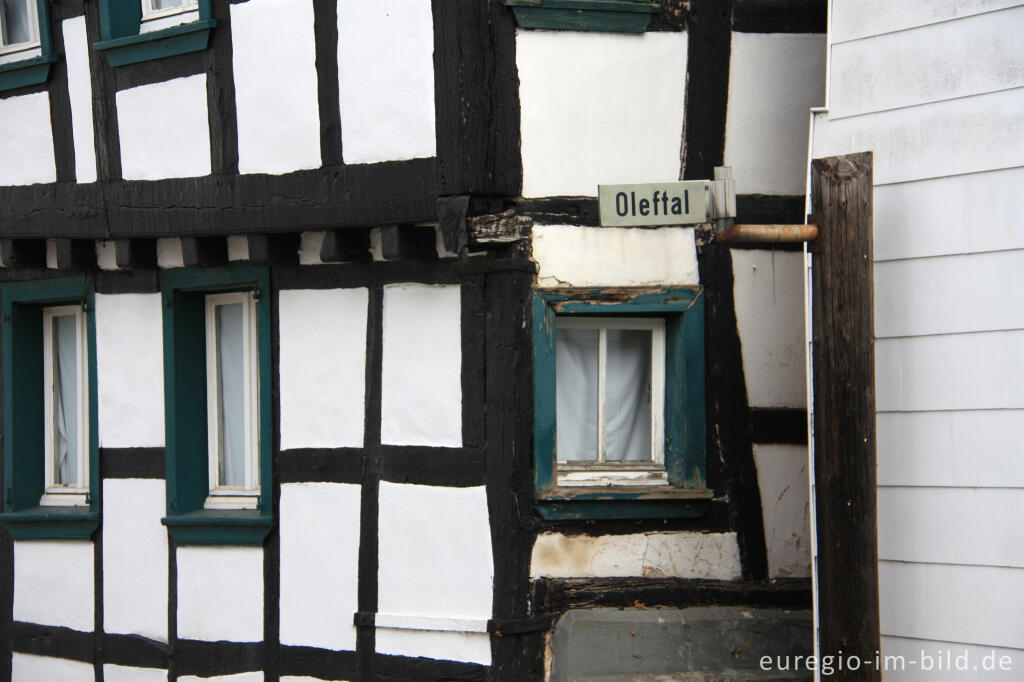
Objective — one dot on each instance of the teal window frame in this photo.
(619, 16)
(183, 292)
(123, 43)
(32, 70)
(24, 422)
(686, 494)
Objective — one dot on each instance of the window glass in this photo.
(17, 25)
(66, 406)
(576, 355)
(231, 395)
(628, 396)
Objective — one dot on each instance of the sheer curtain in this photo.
(576, 394)
(65, 406)
(231, 393)
(17, 27)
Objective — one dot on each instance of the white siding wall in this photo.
(936, 91)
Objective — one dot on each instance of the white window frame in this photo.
(53, 493)
(233, 497)
(600, 472)
(33, 19)
(157, 19)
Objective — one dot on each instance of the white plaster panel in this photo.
(961, 214)
(858, 18)
(472, 647)
(943, 61)
(123, 673)
(309, 248)
(974, 526)
(712, 556)
(774, 79)
(572, 256)
(768, 288)
(782, 481)
(950, 372)
(978, 292)
(323, 367)
(238, 245)
(950, 448)
(421, 392)
(319, 564)
(238, 677)
(26, 146)
(220, 593)
(51, 253)
(909, 667)
(134, 558)
(31, 668)
(967, 604)
(106, 254)
(448, 531)
(130, 370)
(169, 254)
(164, 129)
(599, 108)
(968, 135)
(275, 86)
(386, 80)
(76, 56)
(53, 583)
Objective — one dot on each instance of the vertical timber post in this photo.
(844, 412)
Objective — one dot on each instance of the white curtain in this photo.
(576, 394)
(65, 406)
(17, 28)
(231, 391)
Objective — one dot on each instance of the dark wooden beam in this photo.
(204, 251)
(274, 249)
(23, 253)
(76, 254)
(350, 245)
(451, 213)
(135, 254)
(399, 242)
(844, 410)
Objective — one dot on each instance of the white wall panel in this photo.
(76, 56)
(969, 135)
(275, 86)
(691, 555)
(572, 256)
(968, 604)
(134, 558)
(857, 18)
(30, 668)
(908, 663)
(130, 370)
(26, 146)
(322, 367)
(220, 593)
(975, 526)
(106, 254)
(769, 292)
(978, 292)
(950, 372)
(386, 80)
(782, 481)
(164, 129)
(319, 564)
(599, 108)
(238, 245)
(123, 673)
(942, 61)
(53, 583)
(169, 254)
(448, 531)
(421, 393)
(963, 214)
(774, 79)
(972, 448)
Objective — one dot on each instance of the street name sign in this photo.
(654, 203)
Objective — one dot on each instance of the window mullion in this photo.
(602, 363)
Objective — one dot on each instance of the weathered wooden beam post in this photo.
(844, 412)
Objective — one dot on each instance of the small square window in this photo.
(19, 25)
(133, 31)
(26, 53)
(160, 14)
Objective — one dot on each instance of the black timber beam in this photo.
(400, 242)
(350, 246)
(23, 253)
(274, 249)
(135, 254)
(204, 251)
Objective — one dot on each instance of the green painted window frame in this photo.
(183, 294)
(24, 450)
(686, 495)
(122, 42)
(32, 70)
(619, 16)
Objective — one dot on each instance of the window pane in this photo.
(576, 394)
(628, 396)
(159, 5)
(231, 394)
(17, 26)
(65, 400)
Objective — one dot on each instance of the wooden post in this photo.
(844, 413)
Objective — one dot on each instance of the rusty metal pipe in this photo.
(770, 233)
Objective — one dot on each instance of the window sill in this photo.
(244, 527)
(623, 502)
(175, 40)
(31, 71)
(51, 523)
(620, 16)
